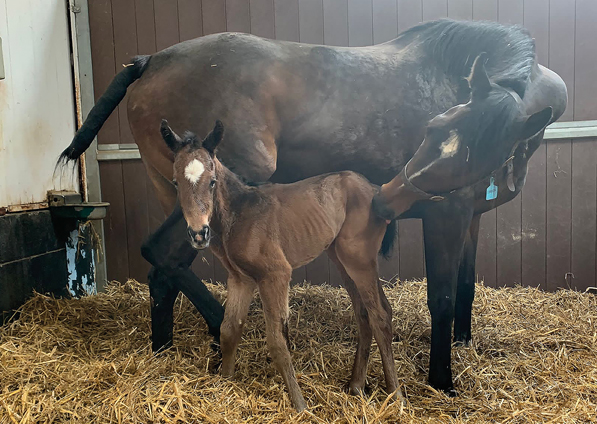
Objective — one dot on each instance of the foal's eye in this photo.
(175, 183)
(212, 183)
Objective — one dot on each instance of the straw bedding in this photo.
(533, 359)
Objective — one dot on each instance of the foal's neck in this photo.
(228, 187)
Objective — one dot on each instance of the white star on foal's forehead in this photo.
(193, 171)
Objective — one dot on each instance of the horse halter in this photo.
(408, 184)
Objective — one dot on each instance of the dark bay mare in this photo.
(294, 111)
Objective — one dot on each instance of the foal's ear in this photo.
(536, 123)
(478, 79)
(173, 141)
(213, 138)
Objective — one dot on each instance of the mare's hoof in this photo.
(215, 347)
(461, 343)
(158, 348)
(462, 340)
(451, 392)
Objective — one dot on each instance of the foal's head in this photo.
(465, 144)
(195, 177)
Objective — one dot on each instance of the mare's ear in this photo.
(213, 138)
(536, 123)
(478, 79)
(173, 141)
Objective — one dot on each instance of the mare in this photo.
(296, 110)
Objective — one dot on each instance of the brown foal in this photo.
(261, 233)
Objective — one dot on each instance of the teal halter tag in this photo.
(492, 190)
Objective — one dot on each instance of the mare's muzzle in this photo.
(200, 239)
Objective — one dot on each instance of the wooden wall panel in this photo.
(311, 21)
(460, 9)
(410, 231)
(286, 19)
(509, 215)
(360, 23)
(238, 17)
(145, 25)
(410, 13)
(166, 23)
(262, 18)
(335, 22)
(545, 233)
(435, 9)
(584, 153)
(102, 56)
(385, 20)
(559, 154)
(534, 195)
(487, 247)
(214, 16)
(117, 257)
(190, 19)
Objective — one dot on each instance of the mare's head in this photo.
(463, 145)
(195, 177)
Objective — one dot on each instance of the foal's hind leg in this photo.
(358, 378)
(274, 297)
(361, 266)
(240, 295)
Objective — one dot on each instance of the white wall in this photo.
(37, 110)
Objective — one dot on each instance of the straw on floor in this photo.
(533, 359)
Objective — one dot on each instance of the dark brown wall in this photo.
(538, 239)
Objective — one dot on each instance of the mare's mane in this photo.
(454, 45)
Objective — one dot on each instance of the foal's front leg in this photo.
(240, 295)
(274, 296)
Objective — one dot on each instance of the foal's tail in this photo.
(387, 244)
(103, 108)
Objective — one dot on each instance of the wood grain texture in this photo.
(534, 193)
(584, 153)
(509, 215)
(559, 154)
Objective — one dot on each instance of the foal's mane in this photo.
(454, 45)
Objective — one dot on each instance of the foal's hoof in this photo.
(356, 391)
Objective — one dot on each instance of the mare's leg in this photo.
(361, 266)
(240, 295)
(171, 255)
(358, 378)
(444, 228)
(465, 293)
(273, 291)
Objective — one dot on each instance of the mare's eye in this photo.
(212, 183)
(175, 183)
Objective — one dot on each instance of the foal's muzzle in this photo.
(200, 239)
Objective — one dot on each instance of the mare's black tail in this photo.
(387, 244)
(102, 109)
